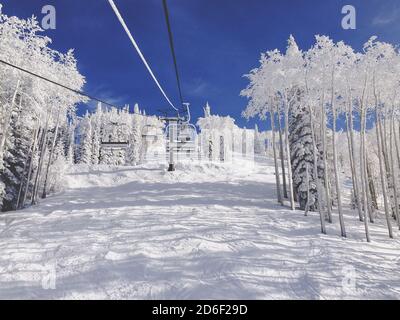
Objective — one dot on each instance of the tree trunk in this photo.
(29, 154)
(316, 176)
(386, 166)
(289, 161)
(394, 177)
(372, 189)
(326, 176)
(368, 191)
(363, 180)
(396, 143)
(307, 208)
(335, 166)
(352, 165)
(385, 149)
(53, 144)
(42, 152)
(28, 179)
(396, 140)
(278, 185)
(382, 172)
(285, 194)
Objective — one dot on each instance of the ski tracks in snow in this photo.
(206, 231)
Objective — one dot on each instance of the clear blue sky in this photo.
(217, 41)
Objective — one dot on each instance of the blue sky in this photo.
(217, 41)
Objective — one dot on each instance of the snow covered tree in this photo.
(31, 109)
(135, 138)
(259, 147)
(18, 145)
(87, 140)
(302, 156)
(334, 82)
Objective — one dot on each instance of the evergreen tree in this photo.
(302, 156)
(95, 147)
(136, 144)
(86, 143)
(15, 157)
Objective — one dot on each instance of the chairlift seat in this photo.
(115, 144)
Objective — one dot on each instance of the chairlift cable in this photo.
(81, 93)
(121, 20)
(172, 47)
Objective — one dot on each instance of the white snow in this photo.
(207, 231)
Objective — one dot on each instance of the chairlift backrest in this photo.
(115, 144)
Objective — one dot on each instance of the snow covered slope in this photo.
(206, 231)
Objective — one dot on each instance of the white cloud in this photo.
(104, 94)
(197, 88)
(387, 17)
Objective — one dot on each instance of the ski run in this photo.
(144, 233)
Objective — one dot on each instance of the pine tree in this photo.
(302, 156)
(134, 151)
(86, 143)
(24, 128)
(17, 145)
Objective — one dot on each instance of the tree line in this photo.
(36, 117)
(309, 98)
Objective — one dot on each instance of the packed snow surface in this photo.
(206, 231)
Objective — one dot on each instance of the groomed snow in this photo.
(206, 231)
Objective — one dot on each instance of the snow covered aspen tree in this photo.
(327, 83)
(319, 58)
(6, 123)
(340, 56)
(22, 44)
(277, 179)
(281, 151)
(51, 154)
(394, 169)
(263, 101)
(292, 64)
(376, 55)
(363, 70)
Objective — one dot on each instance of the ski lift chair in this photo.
(115, 144)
